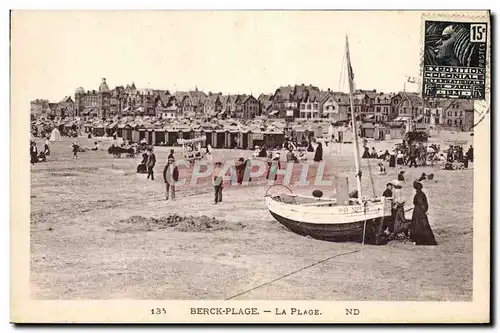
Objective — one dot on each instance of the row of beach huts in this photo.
(226, 133)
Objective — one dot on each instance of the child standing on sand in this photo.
(75, 150)
(217, 181)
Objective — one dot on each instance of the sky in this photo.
(54, 52)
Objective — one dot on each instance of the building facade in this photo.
(382, 107)
(92, 102)
(247, 107)
(39, 107)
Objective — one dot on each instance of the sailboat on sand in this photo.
(354, 219)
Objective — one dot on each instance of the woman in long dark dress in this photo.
(420, 230)
(33, 152)
(392, 160)
(318, 156)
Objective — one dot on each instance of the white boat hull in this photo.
(330, 222)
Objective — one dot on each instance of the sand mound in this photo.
(175, 222)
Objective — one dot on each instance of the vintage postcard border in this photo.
(24, 309)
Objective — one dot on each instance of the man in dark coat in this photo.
(150, 164)
(420, 229)
(413, 156)
(470, 154)
(170, 176)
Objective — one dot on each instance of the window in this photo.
(333, 107)
(378, 109)
(455, 113)
(461, 114)
(315, 106)
(302, 106)
(449, 121)
(455, 121)
(460, 121)
(449, 113)
(404, 110)
(309, 106)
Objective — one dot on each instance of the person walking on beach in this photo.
(209, 153)
(420, 229)
(318, 156)
(470, 154)
(75, 150)
(273, 165)
(217, 181)
(170, 176)
(392, 160)
(150, 164)
(171, 155)
(413, 156)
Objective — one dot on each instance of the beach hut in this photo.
(299, 133)
(380, 132)
(55, 135)
(119, 130)
(421, 127)
(344, 134)
(98, 129)
(396, 130)
(127, 132)
(111, 128)
(367, 130)
(220, 139)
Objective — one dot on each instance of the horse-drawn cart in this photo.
(192, 148)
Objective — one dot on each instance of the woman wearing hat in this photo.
(421, 232)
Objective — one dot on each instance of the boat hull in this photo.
(346, 232)
(331, 222)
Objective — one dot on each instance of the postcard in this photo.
(250, 166)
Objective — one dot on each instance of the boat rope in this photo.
(342, 70)
(291, 273)
(364, 225)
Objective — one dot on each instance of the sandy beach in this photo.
(83, 247)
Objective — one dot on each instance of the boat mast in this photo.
(353, 117)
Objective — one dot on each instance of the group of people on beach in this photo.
(35, 156)
(418, 229)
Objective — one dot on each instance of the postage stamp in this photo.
(455, 58)
(217, 167)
